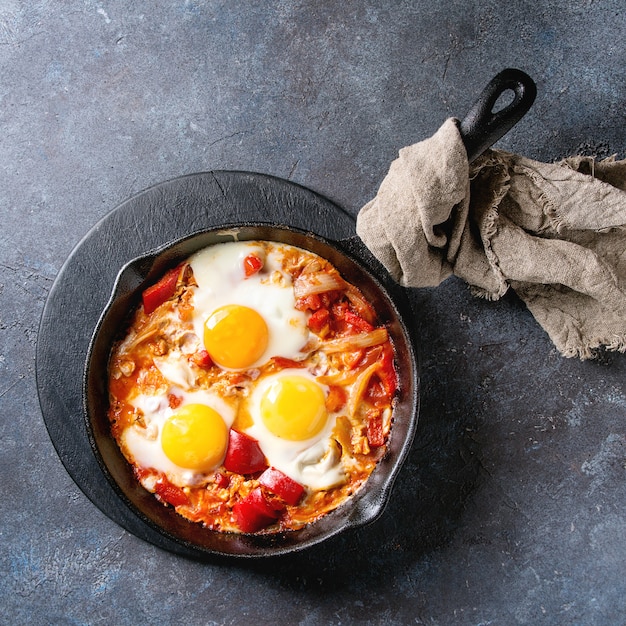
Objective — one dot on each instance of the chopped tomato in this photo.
(251, 265)
(243, 456)
(221, 480)
(280, 484)
(319, 321)
(170, 493)
(387, 373)
(336, 399)
(255, 512)
(343, 315)
(306, 303)
(375, 393)
(237, 378)
(202, 359)
(339, 310)
(174, 401)
(328, 297)
(282, 362)
(143, 473)
(375, 435)
(338, 317)
(160, 292)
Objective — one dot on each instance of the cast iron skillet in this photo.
(480, 129)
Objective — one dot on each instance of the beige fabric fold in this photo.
(553, 232)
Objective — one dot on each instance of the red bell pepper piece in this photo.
(244, 456)
(251, 265)
(357, 322)
(255, 512)
(280, 484)
(170, 493)
(160, 292)
(387, 373)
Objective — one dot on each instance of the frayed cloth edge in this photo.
(488, 227)
(591, 349)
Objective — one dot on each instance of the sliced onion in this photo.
(359, 388)
(312, 266)
(354, 342)
(343, 378)
(361, 305)
(317, 282)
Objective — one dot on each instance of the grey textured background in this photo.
(516, 485)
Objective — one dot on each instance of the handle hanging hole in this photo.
(504, 100)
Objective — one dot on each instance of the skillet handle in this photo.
(481, 127)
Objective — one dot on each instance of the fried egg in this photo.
(293, 428)
(242, 320)
(186, 442)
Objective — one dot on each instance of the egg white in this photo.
(219, 273)
(312, 462)
(143, 445)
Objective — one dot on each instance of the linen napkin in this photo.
(555, 233)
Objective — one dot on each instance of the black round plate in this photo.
(143, 223)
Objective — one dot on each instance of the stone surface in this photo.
(515, 487)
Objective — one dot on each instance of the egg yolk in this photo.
(235, 336)
(293, 408)
(195, 437)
